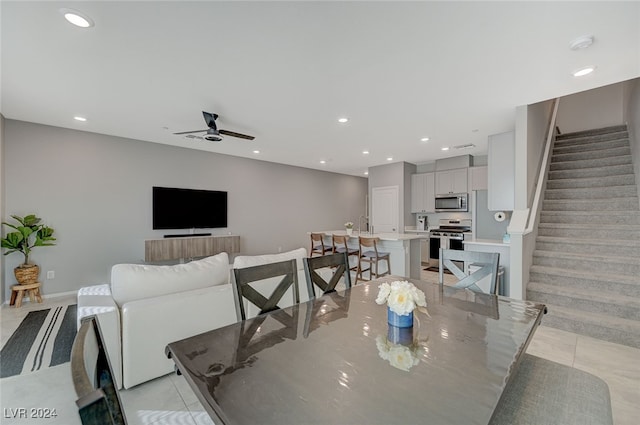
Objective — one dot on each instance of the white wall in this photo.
(597, 108)
(95, 191)
(396, 174)
(2, 210)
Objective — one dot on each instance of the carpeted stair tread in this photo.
(604, 192)
(590, 182)
(612, 170)
(584, 294)
(589, 147)
(585, 155)
(595, 325)
(578, 274)
(630, 243)
(593, 132)
(612, 259)
(630, 227)
(590, 217)
(582, 164)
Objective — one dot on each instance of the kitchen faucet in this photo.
(360, 223)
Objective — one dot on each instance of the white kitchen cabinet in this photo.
(451, 181)
(478, 178)
(501, 172)
(423, 193)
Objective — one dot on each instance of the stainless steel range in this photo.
(449, 235)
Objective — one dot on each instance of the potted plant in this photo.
(349, 226)
(29, 233)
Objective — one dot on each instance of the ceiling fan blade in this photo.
(195, 131)
(210, 119)
(234, 134)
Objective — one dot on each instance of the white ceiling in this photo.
(286, 71)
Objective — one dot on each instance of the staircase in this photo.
(586, 265)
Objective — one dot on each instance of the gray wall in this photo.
(95, 191)
(596, 108)
(395, 174)
(486, 225)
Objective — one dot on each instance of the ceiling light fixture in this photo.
(424, 139)
(343, 120)
(584, 71)
(256, 152)
(323, 161)
(79, 118)
(365, 152)
(581, 42)
(76, 18)
(366, 173)
(446, 148)
(390, 158)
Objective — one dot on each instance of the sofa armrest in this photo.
(98, 300)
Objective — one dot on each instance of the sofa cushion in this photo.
(131, 282)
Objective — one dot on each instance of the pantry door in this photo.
(384, 209)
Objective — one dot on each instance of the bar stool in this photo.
(317, 245)
(371, 256)
(340, 246)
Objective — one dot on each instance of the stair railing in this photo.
(544, 169)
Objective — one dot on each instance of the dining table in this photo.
(336, 360)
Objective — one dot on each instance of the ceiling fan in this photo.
(213, 133)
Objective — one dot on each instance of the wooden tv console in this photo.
(184, 248)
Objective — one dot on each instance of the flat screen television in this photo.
(175, 208)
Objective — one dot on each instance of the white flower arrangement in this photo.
(348, 225)
(401, 296)
(399, 356)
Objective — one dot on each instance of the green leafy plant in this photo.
(29, 233)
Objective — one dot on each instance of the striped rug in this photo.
(43, 339)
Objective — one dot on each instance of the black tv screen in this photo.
(175, 208)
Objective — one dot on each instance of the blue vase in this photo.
(401, 336)
(404, 321)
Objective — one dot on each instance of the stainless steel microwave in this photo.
(452, 202)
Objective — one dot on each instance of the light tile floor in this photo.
(169, 401)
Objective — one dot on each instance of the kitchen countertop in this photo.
(492, 242)
(382, 236)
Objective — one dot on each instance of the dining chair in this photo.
(98, 398)
(487, 263)
(339, 245)
(369, 254)
(248, 280)
(318, 246)
(340, 265)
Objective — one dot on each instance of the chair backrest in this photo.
(317, 243)
(487, 263)
(369, 243)
(341, 264)
(244, 277)
(98, 399)
(338, 240)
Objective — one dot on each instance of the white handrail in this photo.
(533, 211)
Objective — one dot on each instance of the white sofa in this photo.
(146, 307)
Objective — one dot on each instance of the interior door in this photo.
(384, 209)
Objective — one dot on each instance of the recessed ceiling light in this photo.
(323, 161)
(256, 152)
(76, 18)
(366, 173)
(584, 71)
(424, 139)
(343, 120)
(365, 152)
(581, 42)
(390, 158)
(446, 148)
(79, 118)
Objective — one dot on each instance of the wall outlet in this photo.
(51, 274)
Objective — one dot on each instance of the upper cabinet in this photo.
(423, 193)
(451, 181)
(478, 178)
(501, 172)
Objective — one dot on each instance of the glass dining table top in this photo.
(335, 360)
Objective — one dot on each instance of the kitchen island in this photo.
(404, 250)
